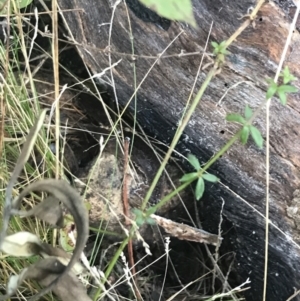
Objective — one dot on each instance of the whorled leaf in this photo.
(287, 76)
(188, 177)
(200, 186)
(248, 112)
(194, 161)
(271, 89)
(244, 134)
(257, 137)
(282, 97)
(210, 178)
(235, 118)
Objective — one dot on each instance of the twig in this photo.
(125, 199)
(293, 296)
(186, 232)
(127, 220)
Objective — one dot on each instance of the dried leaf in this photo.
(68, 288)
(63, 192)
(45, 272)
(21, 244)
(25, 244)
(49, 211)
(62, 256)
(50, 271)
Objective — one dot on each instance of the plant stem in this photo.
(196, 101)
(179, 132)
(114, 261)
(199, 174)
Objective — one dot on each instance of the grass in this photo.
(22, 106)
(21, 109)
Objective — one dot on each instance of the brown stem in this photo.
(127, 220)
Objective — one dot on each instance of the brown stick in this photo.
(127, 220)
(125, 199)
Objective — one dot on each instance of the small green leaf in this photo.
(210, 178)
(151, 210)
(223, 44)
(248, 112)
(188, 177)
(214, 44)
(23, 3)
(244, 134)
(272, 88)
(220, 50)
(236, 118)
(282, 97)
(19, 4)
(140, 221)
(287, 89)
(287, 76)
(138, 213)
(141, 217)
(194, 161)
(180, 10)
(256, 135)
(224, 51)
(216, 51)
(282, 90)
(199, 189)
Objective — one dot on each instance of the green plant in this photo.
(247, 128)
(18, 4)
(281, 90)
(141, 218)
(180, 10)
(220, 50)
(242, 134)
(200, 186)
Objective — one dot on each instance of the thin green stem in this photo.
(196, 101)
(179, 132)
(114, 260)
(199, 174)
